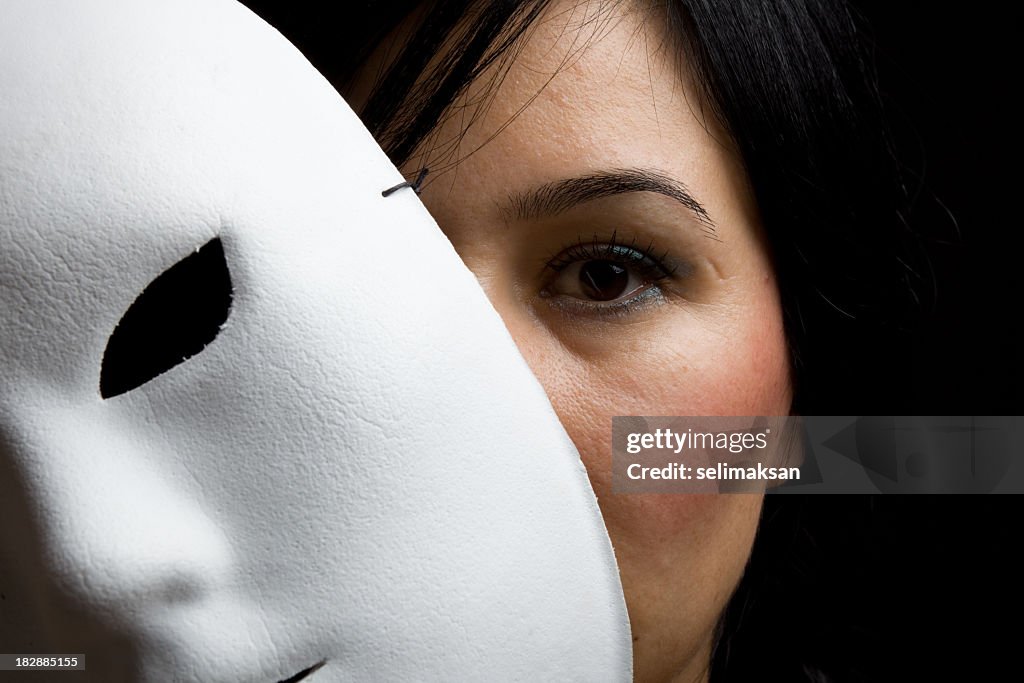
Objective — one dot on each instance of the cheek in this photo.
(705, 364)
(680, 556)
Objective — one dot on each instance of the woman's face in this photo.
(612, 227)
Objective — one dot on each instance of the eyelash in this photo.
(648, 258)
(649, 262)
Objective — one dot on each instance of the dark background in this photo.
(894, 588)
(921, 588)
(947, 77)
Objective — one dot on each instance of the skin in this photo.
(595, 90)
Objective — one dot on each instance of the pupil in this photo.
(603, 280)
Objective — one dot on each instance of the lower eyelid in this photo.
(650, 297)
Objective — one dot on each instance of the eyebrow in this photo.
(556, 197)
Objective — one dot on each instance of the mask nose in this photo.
(94, 525)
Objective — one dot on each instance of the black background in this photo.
(935, 581)
(947, 75)
(922, 588)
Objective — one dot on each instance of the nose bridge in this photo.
(110, 530)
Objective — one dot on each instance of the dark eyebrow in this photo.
(553, 198)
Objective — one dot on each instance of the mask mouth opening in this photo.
(302, 675)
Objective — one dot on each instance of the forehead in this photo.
(146, 93)
(592, 85)
(129, 137)
(144, 96)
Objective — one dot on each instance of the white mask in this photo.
(357, 469)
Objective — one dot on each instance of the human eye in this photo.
(610, 276)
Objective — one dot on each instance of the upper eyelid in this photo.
(642, 260)
(606, 248)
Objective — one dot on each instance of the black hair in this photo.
(793, 83)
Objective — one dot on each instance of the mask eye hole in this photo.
(173, 319)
